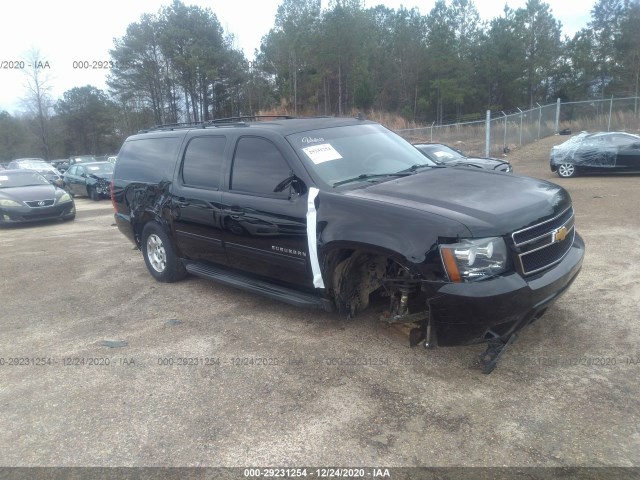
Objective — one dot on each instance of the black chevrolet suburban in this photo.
(331, 213)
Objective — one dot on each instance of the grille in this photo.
(538, 260)
(40, 203)
(41, 216)
(529, 234)
(539, 246)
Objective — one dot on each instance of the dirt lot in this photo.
(320, 391)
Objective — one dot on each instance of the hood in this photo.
(487, 203)
(34, 192)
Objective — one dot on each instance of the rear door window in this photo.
(148, 159)
(202, 163)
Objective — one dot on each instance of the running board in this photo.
(266, 289)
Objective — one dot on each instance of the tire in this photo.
(159, 255)
(566, 170)
(95, 196)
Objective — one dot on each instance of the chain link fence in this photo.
(501, 132)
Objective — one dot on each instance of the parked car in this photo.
(602, 152)
(60, 164)
(451, 157)
(90, 179)
(82, 159)
(334, 213)
(42, 167)
(26, 196)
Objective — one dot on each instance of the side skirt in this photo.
(266, 289)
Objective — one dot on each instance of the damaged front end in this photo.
(447, 312)
(102, 186)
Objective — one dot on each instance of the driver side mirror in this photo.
(292, 182)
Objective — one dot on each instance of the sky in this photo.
(68, 31)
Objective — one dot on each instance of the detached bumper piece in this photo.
(495, 348)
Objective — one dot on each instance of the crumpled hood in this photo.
(487, 203)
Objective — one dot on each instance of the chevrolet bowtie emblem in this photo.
(560, 234)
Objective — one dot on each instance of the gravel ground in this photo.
(99, 346)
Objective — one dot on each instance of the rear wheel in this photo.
(159, 255)
(566, 170)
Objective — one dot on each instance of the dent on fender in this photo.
(348, 222)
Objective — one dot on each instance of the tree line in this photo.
(178, 65)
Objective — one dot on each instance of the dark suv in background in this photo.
(335, 213)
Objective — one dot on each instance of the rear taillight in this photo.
(113, 198)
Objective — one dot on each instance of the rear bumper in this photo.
(124, 225)
(466, 312)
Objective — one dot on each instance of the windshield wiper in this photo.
(367, 176)
(417, 166)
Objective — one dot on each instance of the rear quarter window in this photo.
(148, 160)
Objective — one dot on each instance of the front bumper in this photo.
(26, 214)
(103, 188)
(466, 312)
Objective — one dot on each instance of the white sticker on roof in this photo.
(93, 168)
(322, 153)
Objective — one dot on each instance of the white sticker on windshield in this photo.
(3, 178)
(440, 154)
(322, 153)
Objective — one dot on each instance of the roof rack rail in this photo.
(249, 117)
(172, 126)
(239, 121)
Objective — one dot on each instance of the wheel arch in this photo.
(337, 252)
(353, 271)
(143, 218)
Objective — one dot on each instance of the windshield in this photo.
(21, 179)
(38, 166)
(440, 153)
(99, 168)
(341, 153)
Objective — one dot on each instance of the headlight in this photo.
(64, 198)
(8, 203)
(474, 259)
